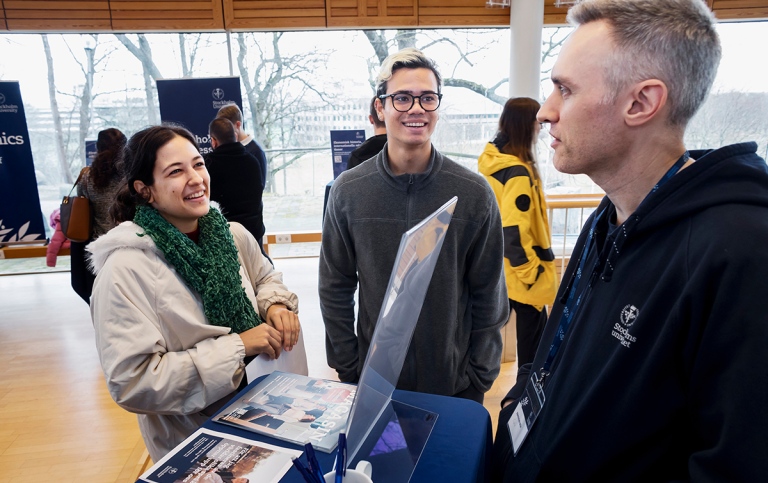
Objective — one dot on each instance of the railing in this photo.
(567, 214)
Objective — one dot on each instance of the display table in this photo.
(458, 450)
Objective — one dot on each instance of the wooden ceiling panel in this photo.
(742, 14)
(167, 15)
(554, 15)
(217, 15)
(372, 13)
(57, 15)
(740, 9)
(726, 4)
(274, 14)
(461, 13)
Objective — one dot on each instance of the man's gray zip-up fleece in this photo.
(457, 340)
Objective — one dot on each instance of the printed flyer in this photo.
(212, 457)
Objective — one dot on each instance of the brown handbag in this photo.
(76, 214)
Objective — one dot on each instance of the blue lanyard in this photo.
(572, 302)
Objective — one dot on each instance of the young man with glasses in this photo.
(456, 346)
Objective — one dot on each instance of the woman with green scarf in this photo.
(182, 299)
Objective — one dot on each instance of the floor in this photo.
(56, 416)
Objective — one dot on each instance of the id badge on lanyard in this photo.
(527, 410)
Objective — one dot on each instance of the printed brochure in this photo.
(295, 408)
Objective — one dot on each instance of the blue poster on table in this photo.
(21, 218)
(342, 145)
(90, 151)
(194, 103)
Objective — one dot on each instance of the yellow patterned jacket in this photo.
(529, 264)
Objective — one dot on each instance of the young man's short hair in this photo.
(408, 58)
(231, 112)
(222, 130)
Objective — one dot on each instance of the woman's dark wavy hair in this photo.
(517, 128)
(139, 156)
(105, 167)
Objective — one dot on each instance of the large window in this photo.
(297, 86)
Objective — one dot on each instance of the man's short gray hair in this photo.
(674, 41)
(408, 58)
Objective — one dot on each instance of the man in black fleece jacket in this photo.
(652, 366)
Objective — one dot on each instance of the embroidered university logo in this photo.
(620, 331)
(218, 93)
(628, 315)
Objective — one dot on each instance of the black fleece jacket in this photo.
(663, 373)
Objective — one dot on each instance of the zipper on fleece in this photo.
(408, 202)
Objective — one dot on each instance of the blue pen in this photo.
(314, 464)
(341, 458)
(308, 478)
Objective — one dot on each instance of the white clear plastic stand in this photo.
(379, 429)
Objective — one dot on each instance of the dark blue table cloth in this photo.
(458, 450)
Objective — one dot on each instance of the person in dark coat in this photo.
(372, 145)
(236, 183)
(235, 116)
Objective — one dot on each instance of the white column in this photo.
(526, 19)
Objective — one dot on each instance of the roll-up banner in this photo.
(194, 103)
(21, 218)
(342, 145)
(90, 151)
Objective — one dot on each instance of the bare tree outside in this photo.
(77, 109)
(729, 116)
(188, 55)
(295, 90)
(142, 50)
(58, 131)
(278, 87)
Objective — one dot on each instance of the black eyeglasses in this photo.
(403, 102)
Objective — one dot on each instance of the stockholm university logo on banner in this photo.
(12, 108)
(218, 98)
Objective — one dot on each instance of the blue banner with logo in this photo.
(342, 145)
(21, 218)
(90, 151)
(194, 103)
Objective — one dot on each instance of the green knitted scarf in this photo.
(210, 267)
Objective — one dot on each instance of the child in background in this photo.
(58, 240)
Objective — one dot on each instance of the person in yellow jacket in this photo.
(509, 165)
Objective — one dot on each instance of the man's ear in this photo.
(238, 126)
(143, 190)
(214, 142)
(380, 109)
(370, 119)
(647, 100)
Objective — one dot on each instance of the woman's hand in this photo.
(262, 340)
(286, 322)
